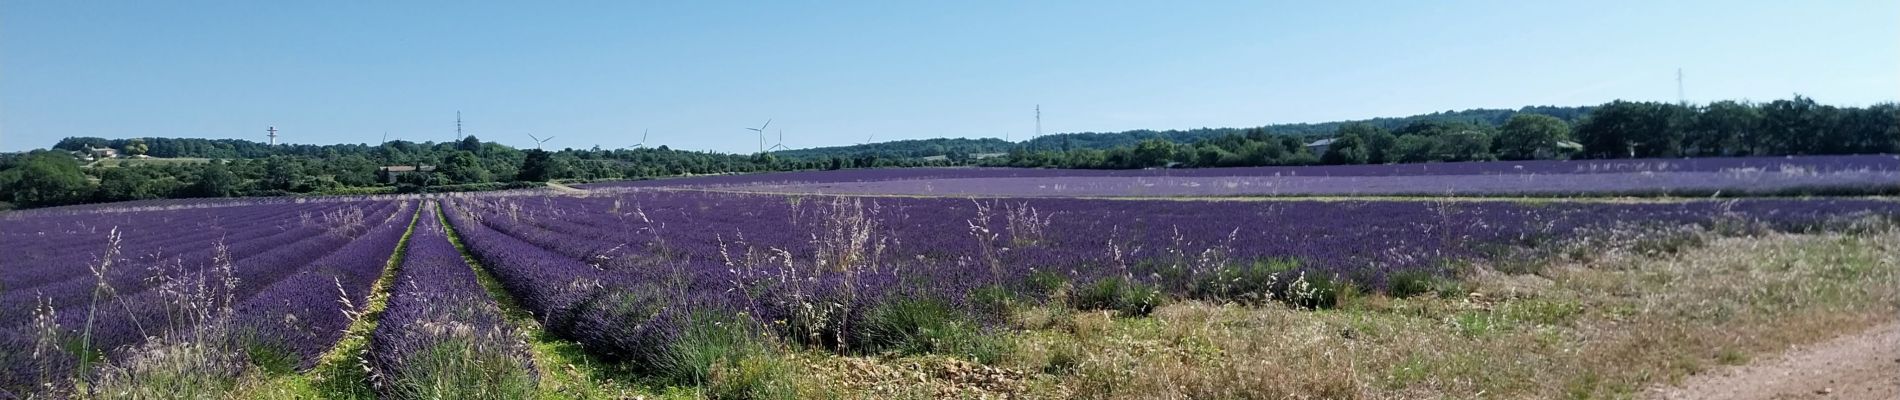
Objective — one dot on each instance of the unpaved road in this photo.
(1859, 366)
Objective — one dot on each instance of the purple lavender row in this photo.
(151, 205)
(625, 317)
(64, 255)
(38, 238)
(258, 258)
(305, 313)
(138, 309)
(437, 304)
(74, 284)
(135, 311)
(547, 285)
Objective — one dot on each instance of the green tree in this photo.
(352, 170)
(1626, 129)
(215, 180)
(136, 183)
(535, 168)
(1358, 143)
(463, 167)
(1528, 136)
(1380, 145)
(1793, 126)
(1414, 149)
(45, 178)
(281, 173)
(1347, 149)
(469, 144)
(1468, 145)
(1661, 130)
(1723, 128)
(136, 147)
(1434, 127)
(1877, 128)
(1152, 153)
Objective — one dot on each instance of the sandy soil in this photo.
(1865, 365)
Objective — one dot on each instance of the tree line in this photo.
(1619, 129)
(235, 168)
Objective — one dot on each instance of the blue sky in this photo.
(834, 73)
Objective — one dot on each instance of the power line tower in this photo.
(1681, 97)
(273, 135)
(458, 126)
(1038, 120)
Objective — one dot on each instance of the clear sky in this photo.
(834, 73)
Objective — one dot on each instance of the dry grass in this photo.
(1607, 329)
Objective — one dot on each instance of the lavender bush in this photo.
(441, 335)
(628, 273)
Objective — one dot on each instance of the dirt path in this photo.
(1860, 366)
(565, 188)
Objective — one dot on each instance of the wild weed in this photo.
(465, 364)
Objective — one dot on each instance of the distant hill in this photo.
(1109, 140)
(898, 149)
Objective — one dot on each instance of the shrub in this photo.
(1318, 292)
(1250, 282)
(1047, 284)
(706, 342)
(1410, 283)
(994, 300)
(907, 326)
(1115, 293)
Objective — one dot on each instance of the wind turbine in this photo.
(867, 140)
(643, 140)
(539, 141)
(761, 131)
(781, 142)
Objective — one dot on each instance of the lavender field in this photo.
(1869, 174)
(641, 276)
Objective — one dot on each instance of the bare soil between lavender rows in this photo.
(1862, 365)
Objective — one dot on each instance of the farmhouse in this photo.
(1319, 146)
(389, 173)
(102, 152)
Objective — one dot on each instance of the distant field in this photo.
(1876, 174)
